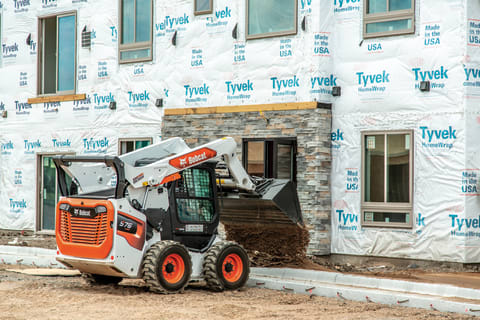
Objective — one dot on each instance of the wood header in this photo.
(245, 108)
(67, 97)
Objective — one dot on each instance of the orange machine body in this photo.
(83, 234)
(93, 236)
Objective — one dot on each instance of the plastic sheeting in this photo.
(206, 67)
(444, 51)
(80, 127)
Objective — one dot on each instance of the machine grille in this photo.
(91, 231)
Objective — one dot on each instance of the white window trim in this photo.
(120, 140)
(271, 34)
(384, 206)
(198, 13)
(39, 187)
(387, 16)
(40, 66)
(136, 45)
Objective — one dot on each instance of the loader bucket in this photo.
(267, 223)
(274, 202)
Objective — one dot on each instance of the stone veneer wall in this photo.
(311, 127)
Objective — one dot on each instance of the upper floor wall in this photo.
(383, 74)
(295, 50)
(193, 60)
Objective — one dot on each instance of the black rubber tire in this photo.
(100, 279)
(213, 263)
(153, 262)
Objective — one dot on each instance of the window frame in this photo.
(387, 207)
(212, 198)
(41, 51)
(276, 141)
(135, 45)
(39, 189)
(120, 140)
(198, 13)
(388, 16)
(271, 34)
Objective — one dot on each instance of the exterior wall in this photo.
(312, 130)
(471, 174)
(276, 70)
(206, 56)
(81, 127)
(395, 103)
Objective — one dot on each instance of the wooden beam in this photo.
(68, 97)
(246, 108)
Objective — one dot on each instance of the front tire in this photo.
(167, 267)
(226, 266)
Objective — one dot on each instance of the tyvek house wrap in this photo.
(206, 67)
(471, 174)
(446, 222)
(81, 127)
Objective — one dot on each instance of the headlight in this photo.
(65, 207)
(100, 209)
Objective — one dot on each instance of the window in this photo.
(48, 192)
(271, 18)
(388, 17)
(135, 30)
(57, 54)
(194, 196)
(203, 7)
(271, 158)
(129, 145)
(387, 179)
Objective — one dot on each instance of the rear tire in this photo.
(167, 267)
(100, 279)
(226, 266)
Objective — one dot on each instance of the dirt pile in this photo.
(270, 246)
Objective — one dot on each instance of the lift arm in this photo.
(178, 157)
(273, 201)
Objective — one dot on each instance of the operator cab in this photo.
(193, 214)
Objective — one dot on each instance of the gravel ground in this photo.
(41, 297)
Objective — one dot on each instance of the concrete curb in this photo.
(374, 290)
(30, 256)
(443, 290)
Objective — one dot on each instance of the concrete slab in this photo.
(44, 272)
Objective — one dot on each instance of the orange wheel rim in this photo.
(232, 267)
(173, 268)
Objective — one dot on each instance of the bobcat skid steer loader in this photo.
(153, 214)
